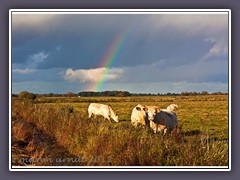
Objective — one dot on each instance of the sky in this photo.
(139, 53)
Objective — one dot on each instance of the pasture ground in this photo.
(46, 133)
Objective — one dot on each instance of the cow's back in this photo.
(99, 109)
(166, 119)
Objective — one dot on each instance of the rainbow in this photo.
(108, 60)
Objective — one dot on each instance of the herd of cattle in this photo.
(160, 120)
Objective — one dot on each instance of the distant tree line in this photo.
(185, 93)
(28, 95)
(104, 93)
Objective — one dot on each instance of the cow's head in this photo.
(172, 107)
(115, 118)
(152, 111)
(142, 110)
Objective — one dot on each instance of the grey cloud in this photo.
(190, 23)
(152, 37)
(196, 72)
(23, 71)
(36, 75)
(42, 87)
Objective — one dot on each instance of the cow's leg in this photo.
(109, 119)
(156, 128)
(164, 131)
(134, 123)
(89, 115)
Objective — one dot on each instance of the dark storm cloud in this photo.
(85, 38)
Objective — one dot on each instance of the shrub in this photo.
(26, 95)
(30, 96)
(70, 94)
(23, 94)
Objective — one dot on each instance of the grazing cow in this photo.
(139, 115)
(103, 110)
(164, 121)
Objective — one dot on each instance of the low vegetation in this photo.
(57, 131)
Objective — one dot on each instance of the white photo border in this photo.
(120, 11)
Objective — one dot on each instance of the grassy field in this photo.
(46, 132)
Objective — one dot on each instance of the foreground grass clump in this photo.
(101, 143)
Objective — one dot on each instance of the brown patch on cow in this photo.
(157, 109)
(142, 121)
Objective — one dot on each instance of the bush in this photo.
(26, 95)
(70, 94)
(14, 95)
(23, 94)
(30, 96)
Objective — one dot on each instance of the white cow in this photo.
(171, 108)
(102, 110)
(139, 115)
